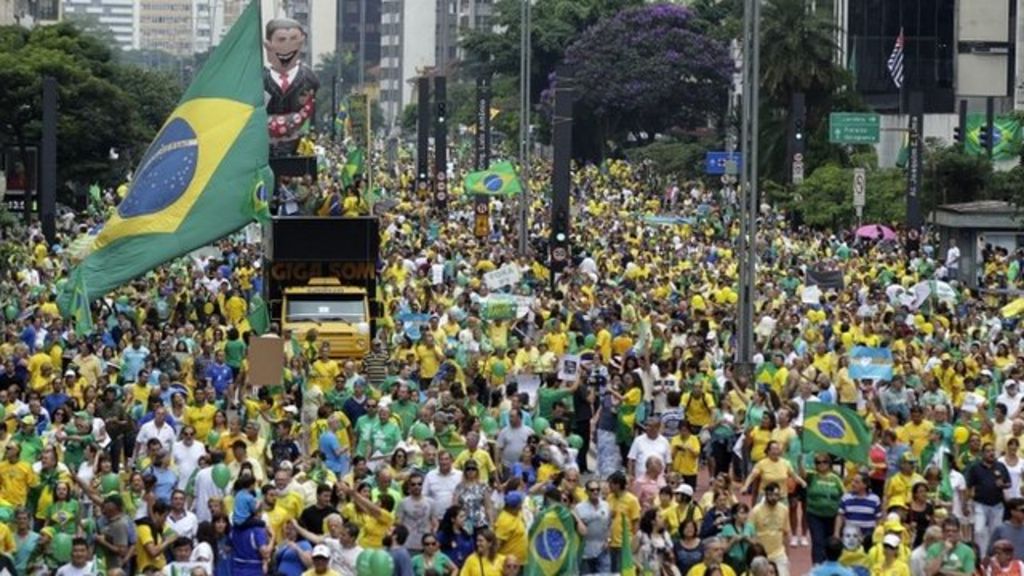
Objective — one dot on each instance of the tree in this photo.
(648, 69)
(334, 67)
(825, 199)
(102, 104)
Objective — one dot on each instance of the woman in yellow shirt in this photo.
(485, 561)
(773, 469)
(377, 516)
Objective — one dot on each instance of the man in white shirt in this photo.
(651, 443)
(156, 428)
(205, 489)
(186, 454)
(1011, 396)
(80, 564)
(180, 520)
(439, 484)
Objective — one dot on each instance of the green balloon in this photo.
(590, 341)
(420, 431)
(61, 547)
(213, 438)
(11, 312)
(540, 424)
(364, 563)
(110, 484)
(382, 563)
(575, 441)
(6, 514)
(489, 425)
(221, 476)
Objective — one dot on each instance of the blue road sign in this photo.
(714, 163)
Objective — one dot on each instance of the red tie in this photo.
(284, 82)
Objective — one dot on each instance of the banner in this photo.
(825, 278)
(870, 363)
(507, 275)
(835, 430)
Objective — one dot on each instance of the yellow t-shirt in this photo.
(899, 488)
(144, 535)
(625, 508)
(323, 374)
(916, 435)
(701, 570)
(15, 481)
(375, 529)
(429, 359)
(771, 524)
(697, 412)
(759, 438)
(479, 566)
(683, 461)
(201, 418)
(511, 533)
(483, 462)
(773, 472)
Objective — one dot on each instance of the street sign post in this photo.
(853, 128)
(715, 163)
(860, 177)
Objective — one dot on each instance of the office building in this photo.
(30, 13)
(121, 17)
(166, 25)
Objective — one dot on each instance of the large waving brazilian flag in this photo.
(205, 175)
(835, 430)
(554, 544)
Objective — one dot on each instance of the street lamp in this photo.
(524, 124)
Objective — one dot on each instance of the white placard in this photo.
(529, 383)
(568, 367)
(507, 275)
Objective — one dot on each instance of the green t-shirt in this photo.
(386, 437)
(737, 553)
(548, 397)
(440, 563)
(823, 494)
(959, 559)
(406, 412)
(234, 353)
(74, 450)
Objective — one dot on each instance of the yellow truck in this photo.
(340, 315)
(321, 273)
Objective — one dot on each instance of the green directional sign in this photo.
(853, 128)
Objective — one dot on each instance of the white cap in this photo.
(891, 540)
(321, 551)
(684, 489)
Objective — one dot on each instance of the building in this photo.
(419, 36)
(973, 226)
(166, 25)
(320, 20)
(351, 15)
(953, 50)
(121, 17)
(29, 13)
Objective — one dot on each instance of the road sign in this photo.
(798, 168)
(853, 128)
(860, 177)
(715, 162)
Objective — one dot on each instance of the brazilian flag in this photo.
(499, 180)
(836, 430)
(554, 544)
(205, 175)
(355, 165)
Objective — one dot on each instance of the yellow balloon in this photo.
(961, 435)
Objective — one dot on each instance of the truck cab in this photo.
(340, 315)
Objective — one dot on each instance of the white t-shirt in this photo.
(204, 490)
(958, 484)
(343, 560)
(1015, 473)
(186, 460)
(643, 448)
(165, 434)
(185, 526)
(440, 488)
(69, 570)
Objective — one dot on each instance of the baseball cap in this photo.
(514, 499)
(69, 373)
(321, 551)
(891, 540)
(684, 489)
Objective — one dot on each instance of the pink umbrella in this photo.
(875, 232)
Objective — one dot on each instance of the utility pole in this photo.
(524, 125)
(748, 183)
(362, 43)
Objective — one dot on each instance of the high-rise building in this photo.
(30, 12)
(166, 25)
(351, 17)
(121, 17)
(421, 36)
(320, 20)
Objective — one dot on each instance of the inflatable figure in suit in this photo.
(290, 85)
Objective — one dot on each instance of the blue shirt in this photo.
(245, 545)
(53, 401)
(832, 569)
(288, 561)
(133, 359)
(221, 376)
(329, 447)
(245, 507)
(165, 483)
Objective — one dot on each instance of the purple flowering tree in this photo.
(646, 70)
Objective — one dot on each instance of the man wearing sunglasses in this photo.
(595, 514)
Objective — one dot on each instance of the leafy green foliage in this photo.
(673, 159)
(103, 104)
(825, 199)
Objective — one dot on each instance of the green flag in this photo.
(500, 180)
(627, 567)
(355, 164)
(259, 315)
(836, 430)
(203, 177)
(80, 306)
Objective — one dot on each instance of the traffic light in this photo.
(559, 241)
(983, 137)
(958, 135)
(798, 129)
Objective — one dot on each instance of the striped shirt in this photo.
(861, 511)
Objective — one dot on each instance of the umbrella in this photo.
(875, 232)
